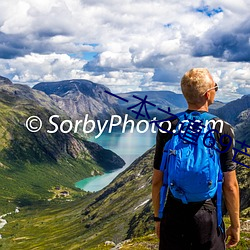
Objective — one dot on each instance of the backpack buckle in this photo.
(172, 152)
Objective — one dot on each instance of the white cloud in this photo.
(35, 68)
(140, 44)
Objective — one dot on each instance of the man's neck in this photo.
(198, 107)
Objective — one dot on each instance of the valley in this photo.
(38, 172)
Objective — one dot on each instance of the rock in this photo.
(109, 243)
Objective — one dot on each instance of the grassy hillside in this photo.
(121, 211)
(86, 222)
(31, 164)
(51, 225)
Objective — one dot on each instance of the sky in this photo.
(127, 45)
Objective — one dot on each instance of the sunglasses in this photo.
(216, 87)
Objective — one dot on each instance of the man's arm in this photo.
(157, 178)
(232, 200)
(156, 187)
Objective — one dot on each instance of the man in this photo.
(194, 225)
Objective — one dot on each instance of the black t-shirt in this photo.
(223, 127)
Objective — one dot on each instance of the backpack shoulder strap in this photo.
(208, 116)
(181, 114)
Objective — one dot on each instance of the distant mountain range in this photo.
(80, 97)
(161, 99)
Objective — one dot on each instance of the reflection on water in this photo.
(128, 146)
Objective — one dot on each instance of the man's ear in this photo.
(207, 95)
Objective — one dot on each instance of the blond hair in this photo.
(195, 83)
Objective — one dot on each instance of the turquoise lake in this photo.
(129, 146)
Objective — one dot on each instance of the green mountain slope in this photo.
(106, 215)
(33, 163)
(123, 210)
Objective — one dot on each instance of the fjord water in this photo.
(128, 146)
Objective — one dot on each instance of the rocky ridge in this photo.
(80, 97)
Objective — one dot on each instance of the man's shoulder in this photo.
(221, 125)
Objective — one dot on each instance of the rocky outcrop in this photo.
(4, 80)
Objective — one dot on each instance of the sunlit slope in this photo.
(32, 163)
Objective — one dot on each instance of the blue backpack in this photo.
(190, 163)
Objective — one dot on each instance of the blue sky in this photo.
(126, 45)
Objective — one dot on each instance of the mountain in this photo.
(124, 207)
(237, 113)
(32, 163)
(242, 131)
(80, 97)
(161, 99)
(232, 110)
(216, 105)
(4, 80)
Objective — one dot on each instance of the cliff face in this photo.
(80, 97)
